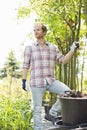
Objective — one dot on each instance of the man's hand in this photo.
(24, 84)
(75, 45)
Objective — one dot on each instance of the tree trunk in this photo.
(65, 74)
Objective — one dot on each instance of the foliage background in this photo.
(66, 22)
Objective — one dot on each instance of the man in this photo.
(40, 59)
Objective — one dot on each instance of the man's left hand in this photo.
(75, 45)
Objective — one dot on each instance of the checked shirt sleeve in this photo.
(27, 55)
(59, 55)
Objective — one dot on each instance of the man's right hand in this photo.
(24, 84)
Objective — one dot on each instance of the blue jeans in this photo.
(56, 87)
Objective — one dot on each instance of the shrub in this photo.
(15, 114)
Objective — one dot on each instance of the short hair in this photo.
(44, 28)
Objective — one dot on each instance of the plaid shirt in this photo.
(41, 61)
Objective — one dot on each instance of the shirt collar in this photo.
(36, 43)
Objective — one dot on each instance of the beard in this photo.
(39, 37)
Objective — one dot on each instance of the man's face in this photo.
(38, 32)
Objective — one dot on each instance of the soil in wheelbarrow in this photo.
(75, 94)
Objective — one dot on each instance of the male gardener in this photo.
(40, 58)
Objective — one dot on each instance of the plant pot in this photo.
(74, 110)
